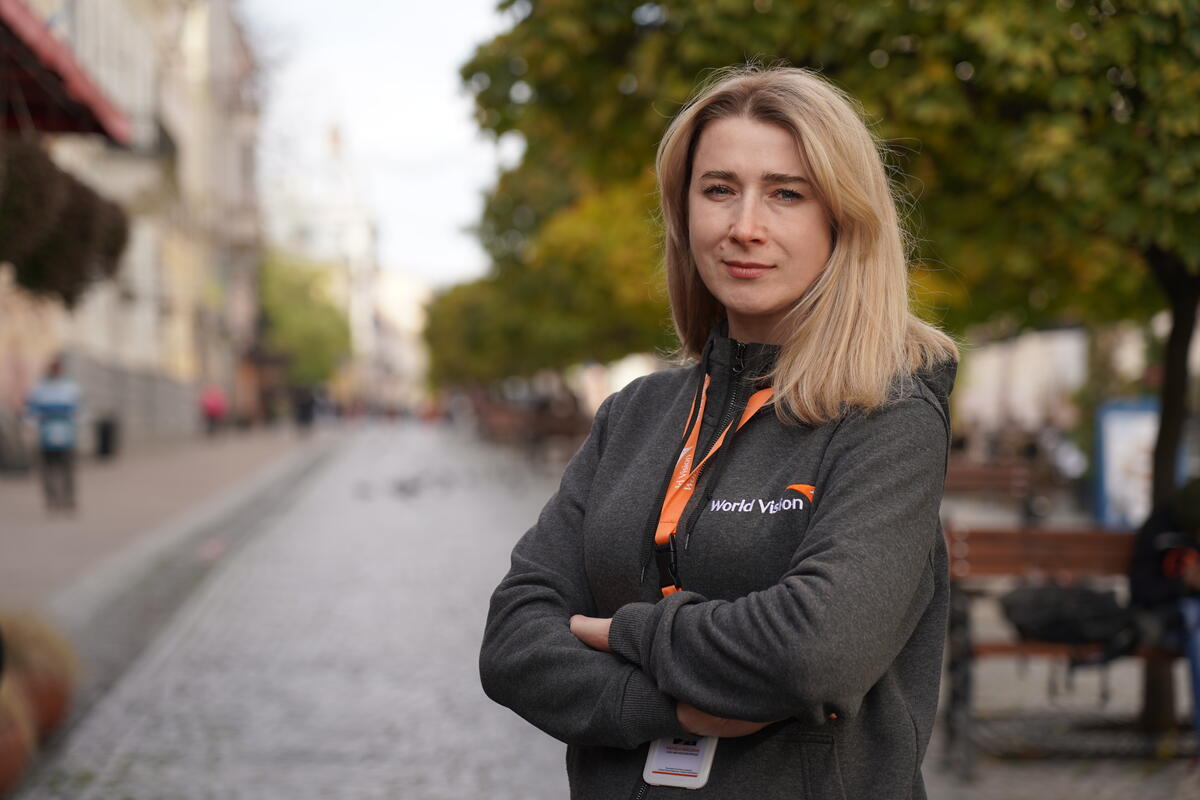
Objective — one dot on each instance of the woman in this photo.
(749, 548)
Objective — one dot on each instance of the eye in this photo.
(717, 190)
(788, 194)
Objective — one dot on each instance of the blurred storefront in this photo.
(1023, 382)
(45, 90)
(181, 312)
(1083, 400)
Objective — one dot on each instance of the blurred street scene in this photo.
(331, 652)
(303, 309)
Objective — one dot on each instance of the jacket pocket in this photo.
(822, 773)
(780, 762)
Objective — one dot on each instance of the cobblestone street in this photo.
(333, 655)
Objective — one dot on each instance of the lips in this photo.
(746, 269)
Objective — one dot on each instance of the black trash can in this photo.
(108, 438)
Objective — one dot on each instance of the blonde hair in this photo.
(852, 334)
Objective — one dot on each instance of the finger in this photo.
(592, 631)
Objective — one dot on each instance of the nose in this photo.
(748, 224)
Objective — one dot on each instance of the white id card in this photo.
(680, 761)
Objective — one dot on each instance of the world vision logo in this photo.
(786, 503)
(804, 489)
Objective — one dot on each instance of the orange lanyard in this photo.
(683, 480)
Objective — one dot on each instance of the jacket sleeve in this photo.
(818, 640)
(532, 663)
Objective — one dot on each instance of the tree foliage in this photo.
(584, 285)
(301, 322)
(1045, 152)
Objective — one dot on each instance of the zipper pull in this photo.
(739, 358)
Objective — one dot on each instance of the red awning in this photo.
(43, 86)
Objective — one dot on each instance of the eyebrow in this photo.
(768, 177)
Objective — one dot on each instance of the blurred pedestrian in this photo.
(748, 549)
(213, 406)
(54, 403)
(1164, 581)
(304, 408)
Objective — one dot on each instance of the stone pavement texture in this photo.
(1011, 695)
(119, 501)
(333, 655)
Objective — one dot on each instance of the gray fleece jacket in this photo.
(828, 614)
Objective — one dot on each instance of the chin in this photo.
(753, 310)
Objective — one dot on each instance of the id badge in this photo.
(680, 761)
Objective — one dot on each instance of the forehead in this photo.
(741, 145)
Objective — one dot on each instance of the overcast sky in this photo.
(387, 74)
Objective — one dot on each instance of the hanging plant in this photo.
(32, 194)
(64, 263)
(112, 238)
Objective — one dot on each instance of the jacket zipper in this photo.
(728, 416)
(731, 403)
(642, 791)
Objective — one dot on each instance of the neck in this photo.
(754, 331)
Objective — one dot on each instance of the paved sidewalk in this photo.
(1012, 698)
(119, 502)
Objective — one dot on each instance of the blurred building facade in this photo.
(1033, 380)
(1024, 382)
(322, 216)
(402, 361)
(182, 312)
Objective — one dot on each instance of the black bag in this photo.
(1067, 614)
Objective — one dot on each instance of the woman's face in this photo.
(758, 235)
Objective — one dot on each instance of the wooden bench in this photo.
(1010, 478)
(1067, 554)
(976, 557)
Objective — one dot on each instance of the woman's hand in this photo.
(592, 631)
(693, 720)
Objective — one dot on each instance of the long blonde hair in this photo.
(852, 334)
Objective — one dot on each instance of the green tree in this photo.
(301, 321)
(585, 286)
(463, 325)
(592, 277)
(1050, 150)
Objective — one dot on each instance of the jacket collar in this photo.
(757, 360)
(722, 352)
